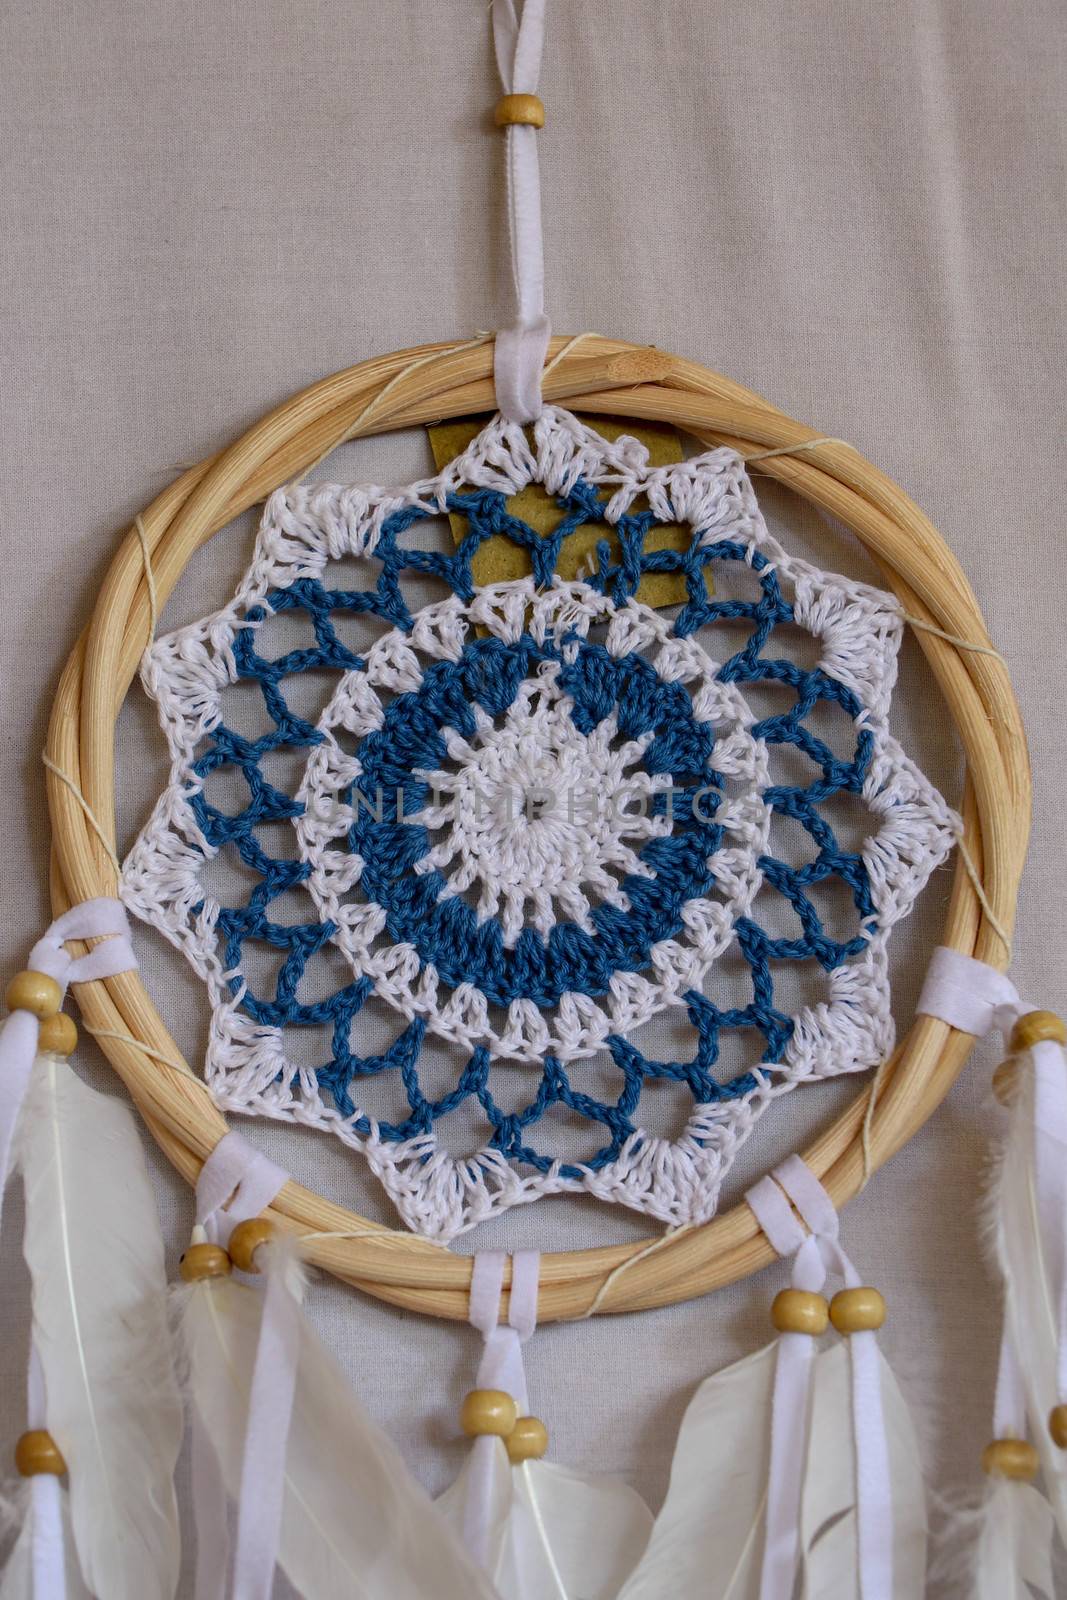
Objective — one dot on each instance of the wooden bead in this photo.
(246, 1239)
(800, 1311)
(1057, 1426)
(1010, 1458)
(35, 992)
(37, 1454)
(527, 1441)
(857, 1310)
(204, 1261)
(488, 1411)
(58, 1035)
(1036, 1027)
(1005, 1077)
(525, 110)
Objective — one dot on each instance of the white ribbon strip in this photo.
(1050, 1179)
(236, 1183)
(792, 1395)
(209, 1514)
(520, 350)
(48, 1560)
(94, 919)
(1009, 1405)
(270, 1409)
(501, 1367)
(813, 1255)
(969, 995)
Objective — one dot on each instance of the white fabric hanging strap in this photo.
(102, 919)
(501, 1367)
(791, 1399)
(519, 355)
(48, 1558)
(969, 995)
(235, 1184)
(814, 1255)
(1009, 1404)
(874, 1494)
(978, 999)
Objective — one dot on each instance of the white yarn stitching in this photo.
(306, 527)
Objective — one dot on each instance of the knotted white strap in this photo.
(236, 1183)
(520, 350)
(501, 1367)
(103, 919)
(792, 1394)
(978, 999)
(969, 994)
(814, 1256)
(48, 1559)
(94, 919)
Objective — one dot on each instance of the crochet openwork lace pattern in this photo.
(528, 826)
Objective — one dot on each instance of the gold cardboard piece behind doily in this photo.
(500, 561)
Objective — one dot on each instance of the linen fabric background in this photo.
(857, 211)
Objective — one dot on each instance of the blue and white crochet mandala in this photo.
(531, 830)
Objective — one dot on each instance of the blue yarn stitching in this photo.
(448, 932)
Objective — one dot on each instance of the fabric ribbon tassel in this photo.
(318, 1486)
(798, 1459)
(1027, 1227)
(104, 1403)
(539, 1531)
(1010, 1551)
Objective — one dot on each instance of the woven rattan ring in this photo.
(603, 376)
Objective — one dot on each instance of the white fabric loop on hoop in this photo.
(103, 919)
(519, 354)
(501, 1367)
(236, 1183)
(969, 995)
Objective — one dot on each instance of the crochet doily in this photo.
(531, 819)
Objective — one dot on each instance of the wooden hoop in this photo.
(412, 387)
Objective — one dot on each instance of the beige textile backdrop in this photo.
(856, 210)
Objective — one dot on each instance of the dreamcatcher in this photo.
(602, 764)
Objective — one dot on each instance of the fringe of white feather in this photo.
(350, 1517)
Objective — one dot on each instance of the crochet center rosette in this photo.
(539, 826)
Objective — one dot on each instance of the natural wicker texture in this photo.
(607, 376)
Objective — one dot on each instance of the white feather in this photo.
(708, 1538)
(828, 1522)
(1014, 1546)
(1029, 1294)
(355, 1522)
(93, 1246)
(556, 1534)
